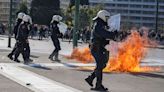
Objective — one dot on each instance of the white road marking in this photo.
(152, 62)
(33, 81)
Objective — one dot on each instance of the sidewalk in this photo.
(42, 46)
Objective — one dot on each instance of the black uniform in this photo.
(98, 42)
(55, 33)
(22, 42)
(15, 34)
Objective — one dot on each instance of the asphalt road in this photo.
(116, 82)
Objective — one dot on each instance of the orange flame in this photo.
(128, 59)
(82, 55)
(130, 54)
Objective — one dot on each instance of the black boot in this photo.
(89, 81)
(17, 60)
(30, 60)
(51, 58)
(26, 62)
(99, 88)
(10, 56)
(56, 57)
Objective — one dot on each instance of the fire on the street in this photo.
(82, 55)
(128, 58)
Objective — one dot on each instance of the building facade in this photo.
(5, 10)
(135, 12)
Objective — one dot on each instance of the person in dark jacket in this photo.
(55, 33)
(99, 39)
(22, 39)
(18, 22)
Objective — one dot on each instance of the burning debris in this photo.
(130, 54)
(128, 57)
(82, 55)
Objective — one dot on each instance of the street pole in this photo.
(10, 24)
(156, 23)
(76, 22)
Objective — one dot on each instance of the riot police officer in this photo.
(18, 22)
(22, 39)
(55, 33)
(99, 39)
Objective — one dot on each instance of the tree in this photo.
(92, 12)
(68, 15)
(23, 7)
(85, 17)
(43, 10)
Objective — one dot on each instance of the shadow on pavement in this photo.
(69, 65)
(39, 66)
(152, 75)
(33, 56)
(1, 39)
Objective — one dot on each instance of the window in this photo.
(122, 5)
(135, 18)
(112, 10)
(148, 12)
(124, 17)
(122, 11)
(135, 0)
(161, 19)
(135, 12)
(122, 0)
(161, 13)
(135, 6)
(161, 1)
(148, 19)
(148, 6)
(108, 4)
(161, 7)
(149, 0)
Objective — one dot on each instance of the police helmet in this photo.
(20, 15)
(57, 18)
(102, 14)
